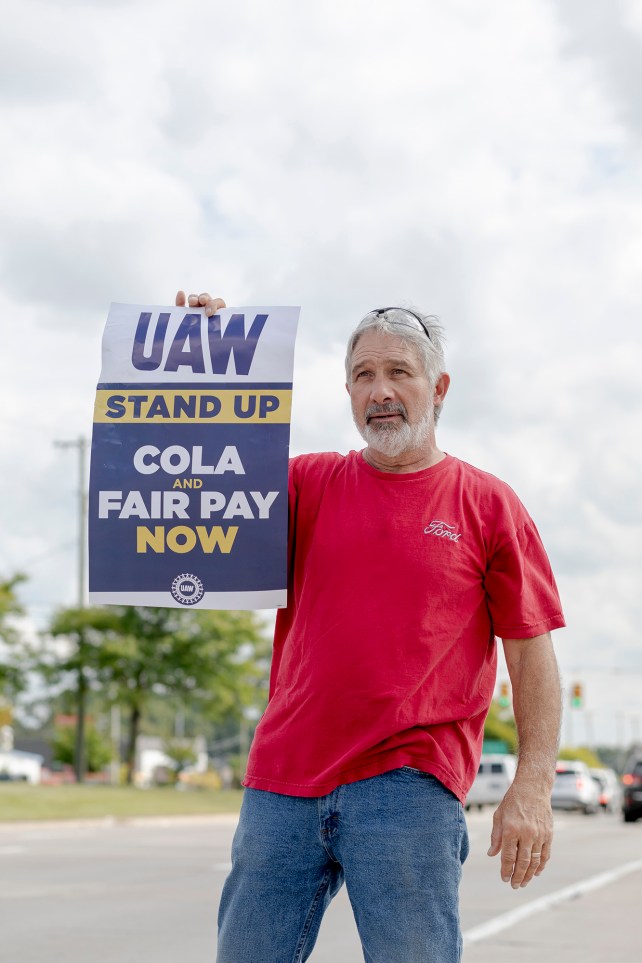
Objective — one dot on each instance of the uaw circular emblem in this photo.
(187, 589)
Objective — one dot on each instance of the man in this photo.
(405, 564)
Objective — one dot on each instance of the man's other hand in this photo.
(523, 833)
(211, 305)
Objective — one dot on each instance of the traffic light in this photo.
(577, 696)
(504, 695)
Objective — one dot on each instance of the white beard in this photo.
(392, 439)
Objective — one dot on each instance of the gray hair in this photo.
(395, 321)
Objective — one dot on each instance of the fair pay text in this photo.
(181, 505)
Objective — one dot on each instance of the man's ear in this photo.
(347, 387)
(441, 388)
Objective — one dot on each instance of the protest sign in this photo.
(188, 488)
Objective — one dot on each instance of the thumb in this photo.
(495, 838)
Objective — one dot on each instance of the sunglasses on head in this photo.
(413, 320)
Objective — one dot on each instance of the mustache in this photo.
(390, 408)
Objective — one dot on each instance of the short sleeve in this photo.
(520, 587)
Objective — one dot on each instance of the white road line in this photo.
(503, 922)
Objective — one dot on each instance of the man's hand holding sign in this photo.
(209, 304)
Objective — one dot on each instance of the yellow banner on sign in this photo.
(201, 406)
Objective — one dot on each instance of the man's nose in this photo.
(381, 389)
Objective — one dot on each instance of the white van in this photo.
(494, 776)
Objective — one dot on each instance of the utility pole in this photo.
(81, 444)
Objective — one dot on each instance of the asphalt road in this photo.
(146, 892)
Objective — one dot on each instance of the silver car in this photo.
(609, 789)
(574, 787)
(493, 779)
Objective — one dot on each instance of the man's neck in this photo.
(407, 461)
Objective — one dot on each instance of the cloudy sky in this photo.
(481, 161)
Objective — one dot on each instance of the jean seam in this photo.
(463, 834)
(322, 800)
(307, 926)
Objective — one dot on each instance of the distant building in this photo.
(38, 745)
(152, 760)
(26, 766)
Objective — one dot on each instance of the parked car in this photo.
(573, 787)
(495, 774)
(632, 789)
(609, 789)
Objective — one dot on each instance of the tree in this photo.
(215, 660)
(613, 757)
(14, 659)
(80, 665)
(497, 727)
(582, 753)
(97, 748)
(180, 753)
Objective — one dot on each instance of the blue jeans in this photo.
(398, 840)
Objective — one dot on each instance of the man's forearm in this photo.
(523, 822)
(537, 706)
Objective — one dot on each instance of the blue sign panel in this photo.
(188, 487)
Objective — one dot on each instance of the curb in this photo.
(108, 822)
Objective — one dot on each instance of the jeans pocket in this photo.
(417, 772)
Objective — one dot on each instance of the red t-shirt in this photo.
(386, 654)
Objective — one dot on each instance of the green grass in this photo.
(19, 802)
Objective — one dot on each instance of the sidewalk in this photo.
(597, 927)
(11, 827)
